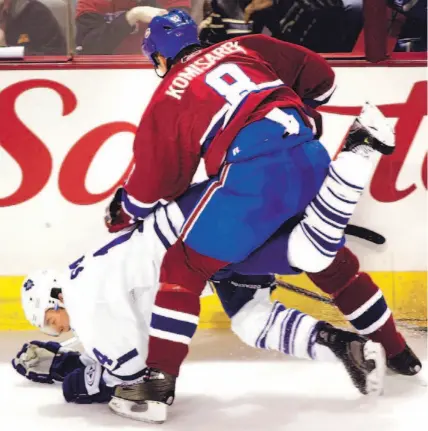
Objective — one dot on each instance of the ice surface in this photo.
(227, 386)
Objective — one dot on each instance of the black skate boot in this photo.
(405, 363)
(364, 360)
(372, 129)
(145, 401)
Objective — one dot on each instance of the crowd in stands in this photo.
(105, 27)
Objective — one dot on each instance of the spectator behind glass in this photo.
(413, 35)
(31, 24)
(321, 25)
(117, 26)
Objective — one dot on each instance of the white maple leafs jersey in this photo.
(109, 294)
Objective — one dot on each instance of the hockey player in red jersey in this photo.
(243, 108)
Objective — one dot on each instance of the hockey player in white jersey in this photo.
(107, 297)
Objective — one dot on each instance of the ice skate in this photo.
(405, 363)
(363, 359)
(371, 129)
(146, 401)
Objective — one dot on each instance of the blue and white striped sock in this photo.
(315, 241)
(294, 333)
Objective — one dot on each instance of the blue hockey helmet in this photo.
(169, 34)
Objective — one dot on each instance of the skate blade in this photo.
(150, 411)
(376, 378)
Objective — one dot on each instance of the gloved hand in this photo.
(86, 386)
(116, 219)
(45, 362)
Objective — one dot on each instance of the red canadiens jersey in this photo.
(203, 103)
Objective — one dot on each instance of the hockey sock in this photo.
(272, 326)
(175, 315)
(315, 241)
(360, 300)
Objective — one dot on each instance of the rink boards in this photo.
(66, 142)
(406, 293)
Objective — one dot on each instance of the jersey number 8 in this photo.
(230, 81)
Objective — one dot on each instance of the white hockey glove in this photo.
(46, 362)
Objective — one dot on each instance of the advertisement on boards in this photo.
(66, 144)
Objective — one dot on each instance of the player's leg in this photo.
(263, 183)
(362, 303)
(272, 326)
(317, 238)
(353, 292)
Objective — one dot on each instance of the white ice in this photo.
(226, 386)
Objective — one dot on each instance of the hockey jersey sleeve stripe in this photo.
(136, 209)
(165, 225)
(160, 235)
(139, 204)
(324, 98)
(175, 217)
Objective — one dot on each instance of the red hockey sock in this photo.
(360, 300)
(175, 315)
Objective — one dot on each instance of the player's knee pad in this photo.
(339, 274)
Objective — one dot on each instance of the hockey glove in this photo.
(86, 386)
(45, 362)
(116, 219)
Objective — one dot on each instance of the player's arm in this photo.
(95, 383)
(47, 362)
(305, 71)
(87, 385)
(81, 376)
(163, 166)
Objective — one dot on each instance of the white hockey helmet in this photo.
(36, 298)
